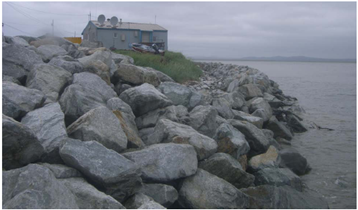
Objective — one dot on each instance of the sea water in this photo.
(327, 92)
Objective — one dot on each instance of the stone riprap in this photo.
(84, 127)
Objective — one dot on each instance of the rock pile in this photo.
(84, 127)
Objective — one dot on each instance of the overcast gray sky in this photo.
(208, 29)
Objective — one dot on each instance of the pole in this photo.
(53, 27)
(155, 19)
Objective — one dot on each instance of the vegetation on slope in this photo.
(173, 64)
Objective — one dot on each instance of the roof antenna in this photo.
(155, 19)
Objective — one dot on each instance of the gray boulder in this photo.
(51, 80)
(151, 205)
(256, 138)
(15, 71)
(179, 94)
(62, 171)
(279, 129)
(278, 177)
(27, 99)
(118, 176)
(223, 107)
(174, 113)
(91, 44)
(144, 94)
(162, 77)
(260, 103)
(11, 109)
(227, 168)
(49, 51)
(269, 159)
(20, 144)
(145, 133)
(87, 92)
(165, 162)
(250, 91)
(167, 131)
(261, 113)
(236, 99)
(206, 191)
(203, 119)
(138, 199)
(35, 187)
(28, 38)
(10, 79)
(240, 115)
(163, 194)
(99, 124)
(135, 75)
(293, 160)
(104, 56)
(119, 58)
(283, 197)
(88, 197)
(231, 141)
(296, 125)
(67, 63)
(48, 125)
(18, 40)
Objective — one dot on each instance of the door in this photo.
(145, 37)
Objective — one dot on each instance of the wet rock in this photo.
(163, 194)
(293, 160)
(67, 63)
(250, 91)
(119, 177)
(270, 159)
(231, 141)
(48, 125)
(294, 123)
(207, 191)
(283, 197)
(101, 125)
(202, 119)
(278, 129)
(35, 187)
(165, 162)
(167, 131)
(135, 75)
(87, 92)
(88, 197)
(278, 177)
(51, 80)
(227, 168)
(62, 171)
(49, 51)
(256, 138)
(144, 94)
(20, 144)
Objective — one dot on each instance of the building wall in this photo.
(108, 39)
(161, 36)
(90, 33)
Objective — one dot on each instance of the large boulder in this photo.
(231, 141)
(27, 99)
(108, 170)
(10, 79)
(296, 125)
(257, 121)
(250, 91)
(223, 106)
(48, 125)
(161, 76)
(35, 187)
(227, 168)
(279, 129)
(163, 194)
(88, 197)
(68, 63)
(278, 177)
(151, 205)
(87, 92)
(174, 113)
(203, 119)
(20, 145)
(99, 124)
(51, 80)
(62, 171)
(260, 103)
(49, 51)
(144, 94)
(104, 56)
(165, 162)
(293, 160)
(269, 159)
(207, 191)
(119, 58)
(137, 200)
(167, 131)
(179, 94)
(11, 109)
(91, 44)
(135, 75)
(257, 140)
(283, 197)
(15, 71)
(17, 40)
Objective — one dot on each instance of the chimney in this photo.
(108, 19)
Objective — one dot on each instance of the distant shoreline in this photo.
(208, 59)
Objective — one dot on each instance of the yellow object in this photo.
(77, 40)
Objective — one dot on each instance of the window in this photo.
(123, 37)
(135, 33)
(115, 35)
(154, 38)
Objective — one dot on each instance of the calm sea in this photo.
(327, 91)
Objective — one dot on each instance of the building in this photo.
(123, 34)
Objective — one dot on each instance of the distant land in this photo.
(279, 58)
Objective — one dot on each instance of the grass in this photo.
(173, 64)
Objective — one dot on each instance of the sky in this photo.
(207, 29)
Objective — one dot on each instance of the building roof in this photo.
(129, 25)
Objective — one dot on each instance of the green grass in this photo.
(173, 64)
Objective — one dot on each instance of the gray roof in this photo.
(129, 25)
